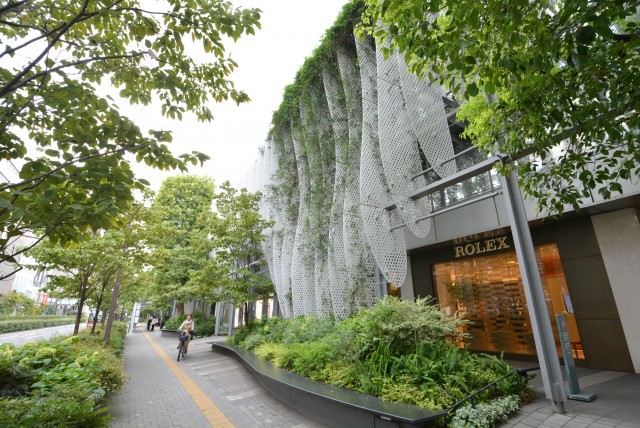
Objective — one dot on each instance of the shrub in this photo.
(60, 383)
(174, 322)
(311, 358)
(205, 328)
(402, 324)
(485, 415)
(64, 407)
(269, 351)
(398, 350)
(11, 324)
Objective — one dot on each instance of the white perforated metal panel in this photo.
(309, 143)
(399, 147)
(428, 118)
(362, 286)
(322, 210)
(387, 246)
(265, 208)
(300, 281)
(338, 274)
(291, 221)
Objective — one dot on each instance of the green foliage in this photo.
(236, 232)
(59, 408)
(177, 236)
(485, 415)
(402, 325)
(535, 74)
(9, 301)
(377, 352)
(340, 33)
(174, 322)
(88, 269)
(61, 383)
(55, 57)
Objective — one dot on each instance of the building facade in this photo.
(340, 173)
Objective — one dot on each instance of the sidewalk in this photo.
(208, 389)
(154, 396)
(617, 404)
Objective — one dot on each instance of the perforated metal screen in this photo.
(363, 134)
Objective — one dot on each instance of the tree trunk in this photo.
(112, 307)
(95, 318)
(83, 297)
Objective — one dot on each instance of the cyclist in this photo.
(187, 326)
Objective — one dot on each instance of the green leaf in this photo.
(472, 89)
(586, 35)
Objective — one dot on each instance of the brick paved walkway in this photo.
(155, 396)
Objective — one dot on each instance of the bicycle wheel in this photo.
(180, 347)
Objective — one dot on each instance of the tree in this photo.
(14, 302)
(86, 270)
(55, 57)
(554, 79)
(176, 233)
(236, 232)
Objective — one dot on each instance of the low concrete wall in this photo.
(333, 406)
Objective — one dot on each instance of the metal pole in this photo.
(276, 306)
(219, 309)
(540, 323)
(232, 310)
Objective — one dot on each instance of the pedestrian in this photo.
(154, 321)
(149, 320)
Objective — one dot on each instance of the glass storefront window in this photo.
(488, 292)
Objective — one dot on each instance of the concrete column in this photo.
(618, 235)
(406, 291)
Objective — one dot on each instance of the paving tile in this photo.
(153, 397)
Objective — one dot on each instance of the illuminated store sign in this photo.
(480, 247)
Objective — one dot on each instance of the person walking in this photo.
(149, 320)
(154, 322)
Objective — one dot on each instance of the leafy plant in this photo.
(377, 353)
(485, 415)
(60, 383)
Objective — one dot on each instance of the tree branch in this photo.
(18, 84)
(8, 87)
(9, 6)
(3, 277)
(3, 127)
(66, 164)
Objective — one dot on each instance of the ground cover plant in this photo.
(402, 351)
(62, 382)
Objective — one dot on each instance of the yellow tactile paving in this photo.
(214, 415)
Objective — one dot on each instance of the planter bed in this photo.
(333, 406)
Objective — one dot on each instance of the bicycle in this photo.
(181, 351)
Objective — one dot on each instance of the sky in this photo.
(267, 62)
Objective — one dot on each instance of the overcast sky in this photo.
(267, 63)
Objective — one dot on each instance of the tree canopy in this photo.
(554, 79)
(71, 143)
(176, 234)
(87, 270)
(235, 231)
